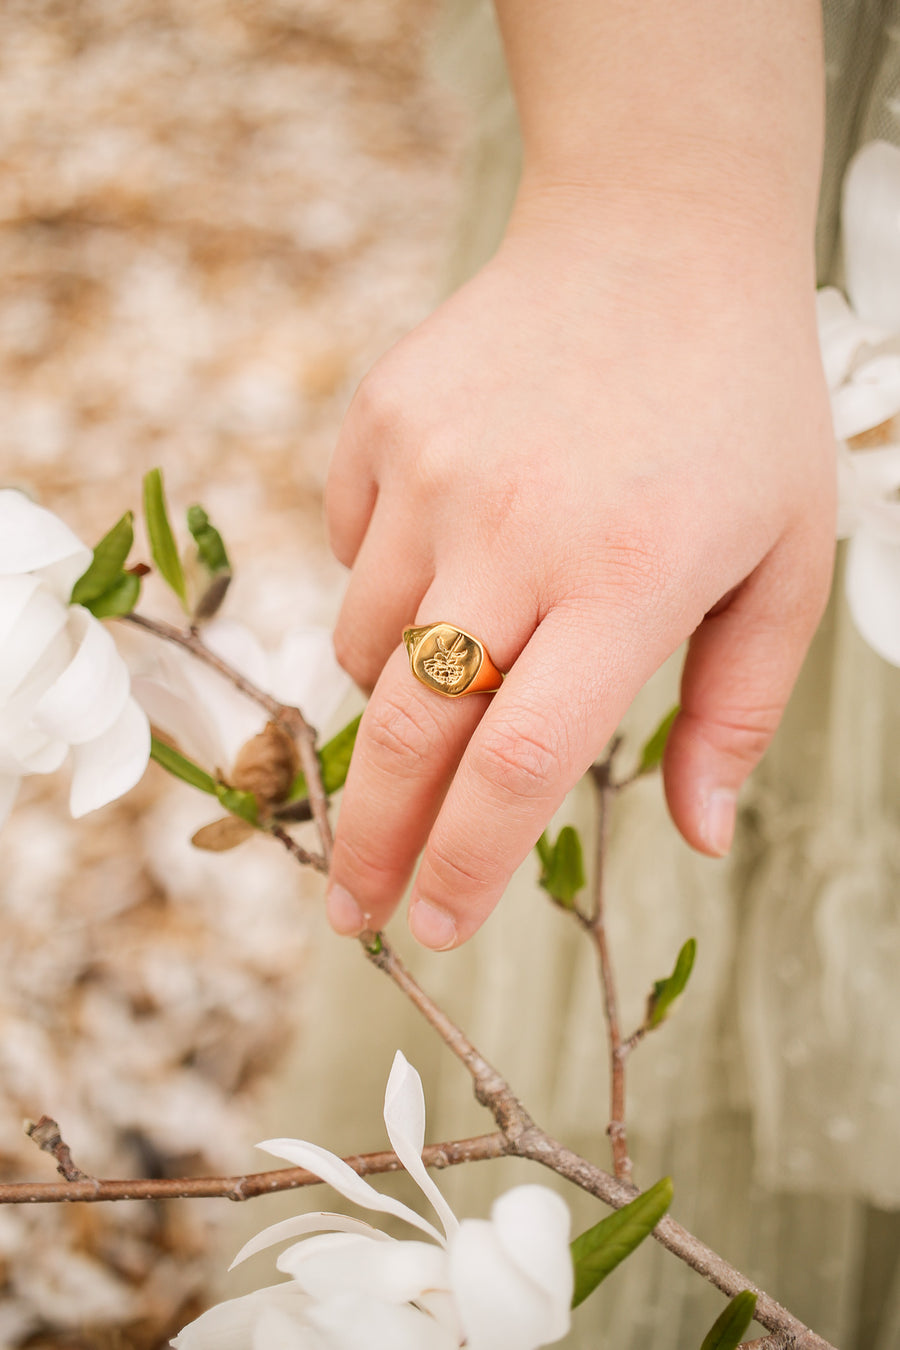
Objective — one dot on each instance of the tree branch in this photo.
(46, 1134)
(291, 719)
(793, 1333)
(596, 927)
(86, 1188)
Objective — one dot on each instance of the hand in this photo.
(610, 441)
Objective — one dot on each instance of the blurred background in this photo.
(214, 217)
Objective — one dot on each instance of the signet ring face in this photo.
(450, 661)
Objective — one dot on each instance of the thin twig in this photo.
(190, 639)
(491, 1088)
(303, 856)
(541, 1148)
(285, 714)
(596, 926)
(83, 1188)
(46, 1134)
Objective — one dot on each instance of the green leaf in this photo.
(159, 531)
(177, 764)
(242, 804)
(728, 1328)
(121, 597)
(544, 850)
(106, 565)
(208, 540)
(654, 748)
(563, 873)
(665, 992)
(334, 762)
(598, 1251)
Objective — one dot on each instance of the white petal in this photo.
(514, 1289)
(872, 583)
(339, 1263)
(354, 1323)
(23, 748)
(89, 695)
(404, 1116)
(31, 537)
(338, 1174)
(278, 1330)
(305, 673)
(871, 229)
(183, 720)
(869, 397)
(841, 335)
(231, 716)
(533, 1223)
(300, 1225)
(110, 766)
(40, 621)
(15, 592)
(229, 1326)
(9, 787)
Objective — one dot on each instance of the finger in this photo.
(741, 665)
(351, 493)
(556, 710)
(391, 574)
(409, 744)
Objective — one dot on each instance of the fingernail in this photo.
(717, 821)
(344, 914)
(432, 927)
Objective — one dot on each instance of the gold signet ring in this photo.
(450, 661)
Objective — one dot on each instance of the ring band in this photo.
(450, 661)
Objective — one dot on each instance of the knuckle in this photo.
(745, 736)
(522, 761)
(402, 735)
(454, 872)
(380, 407)
(370, 870)
(638, 564)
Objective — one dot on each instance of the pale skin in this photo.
(613, 440)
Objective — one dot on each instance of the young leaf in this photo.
(177, 764)
(106, 565)
(599, 1250)
(544, 850)
(563, 875)
(208, 540)
(654, 748)
(242, 804)
(162, 542)
(728, 1328)
(222, 835)
(665, 992)
(121, 597)
(334, 761)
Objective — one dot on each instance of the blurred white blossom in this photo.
(63, 686)
(860, 344)
(498, 1284)
(208, 718)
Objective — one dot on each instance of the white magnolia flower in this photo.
(209, 719)
(498, 1284)
(63, 685)
(860, 344)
